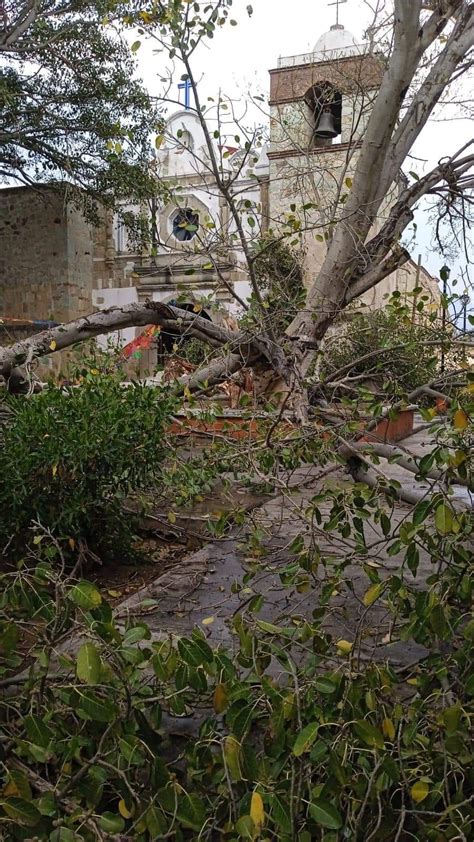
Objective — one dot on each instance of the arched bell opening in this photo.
(325, 104)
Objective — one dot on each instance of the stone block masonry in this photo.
(46, 258)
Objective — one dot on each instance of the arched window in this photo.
(325, 104)
(185, 224)
(185, 139)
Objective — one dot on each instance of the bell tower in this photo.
(319, 106)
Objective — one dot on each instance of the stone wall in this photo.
(46, 256)
(33, 254)
(46, 260)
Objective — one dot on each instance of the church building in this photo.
(53, 265)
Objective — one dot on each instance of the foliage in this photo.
(280, 279)
(411, 338)
(192, 350)
(301, 740)
(71, 109)
(71, 456)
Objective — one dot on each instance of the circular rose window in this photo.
(185, 224)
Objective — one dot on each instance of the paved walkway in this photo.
(209, 585)
(419, 445)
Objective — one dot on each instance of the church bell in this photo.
(326, 127)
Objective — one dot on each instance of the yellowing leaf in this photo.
(373, 594)
(53, 345)
(232, 757)
(114, 594)
(54, 470)
(444, 519)
(388, 729)
(71, 543)
(344, 646)
(220, 698)
(208, 621)
(124, 811)
(460, 420)
(420, 791)
(288, 706)
(257, 812)
(171, 517)
(11, 788)
(95, 371)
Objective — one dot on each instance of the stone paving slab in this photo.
(201, 587)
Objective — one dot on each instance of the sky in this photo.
(238, 58)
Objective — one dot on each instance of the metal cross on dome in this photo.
(186, 87)
(337, 4)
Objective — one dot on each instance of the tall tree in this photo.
(70, 106)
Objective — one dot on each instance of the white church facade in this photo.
(319, 106)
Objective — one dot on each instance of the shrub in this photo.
(71, 456)
(408, 362)
(289, 733)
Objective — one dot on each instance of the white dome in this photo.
(337, 40)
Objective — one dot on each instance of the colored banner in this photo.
(140, 343)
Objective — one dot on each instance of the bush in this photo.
(71, 456)
(408, 362)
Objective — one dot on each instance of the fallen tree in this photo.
(431, 50)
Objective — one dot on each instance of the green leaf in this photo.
(191, 811)
(325, 814)
(438, 620)
(369, 734)
(421, 511)
(194, 652)
(95, 708)
(111, 822)
(23, 812)
(268, 628)
(452, 718)
(305, 739)
(155, 822)
(245, 827)
(135, 46)
(444, 519)
(280, 814)
(326, 686)
(85, 595)
(63, 834)
(88, 664)
(37, 731)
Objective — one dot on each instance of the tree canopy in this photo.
(71, 107)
